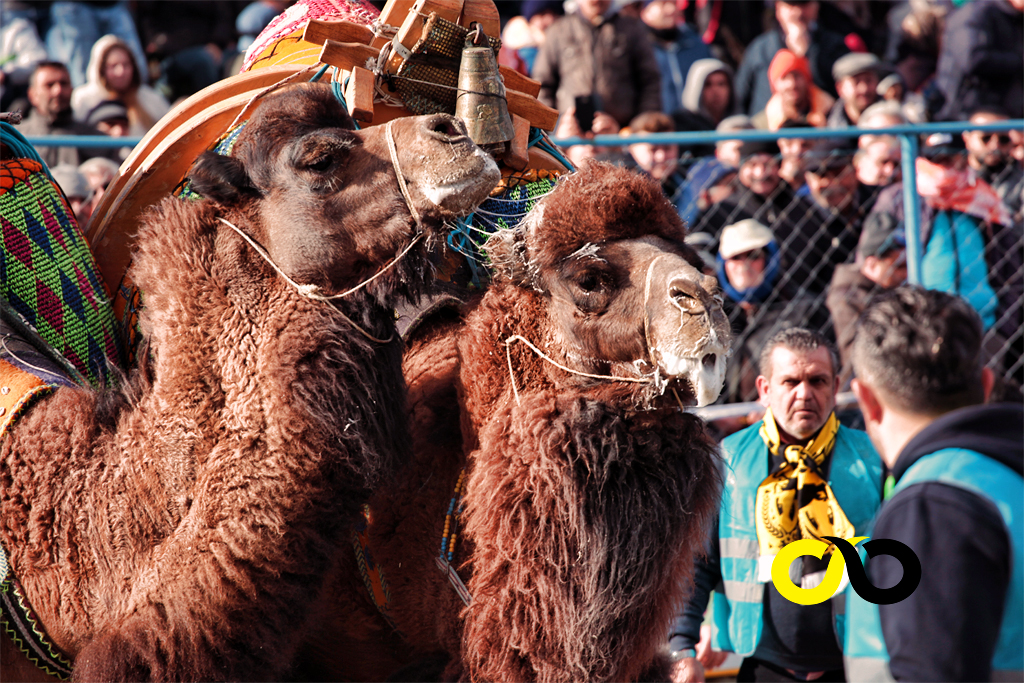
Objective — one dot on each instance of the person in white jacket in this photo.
(21, 49)
(113, 75)
(708, 94)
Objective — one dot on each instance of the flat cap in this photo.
(854, 63)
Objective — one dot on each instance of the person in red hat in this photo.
(794, 95)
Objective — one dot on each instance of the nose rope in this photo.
(390, 137)
(308, 291)
(647, 341)
(515, 390)
(312, 291)
(647, 323)
(647, 327)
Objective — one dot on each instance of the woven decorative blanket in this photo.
(48, 275)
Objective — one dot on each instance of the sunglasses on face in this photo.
(748, 256)
(986, 138)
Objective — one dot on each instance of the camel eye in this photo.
(590, 283)
(322, 151)
(591, 291)
(321, 164)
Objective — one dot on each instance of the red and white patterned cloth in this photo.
(298, 15)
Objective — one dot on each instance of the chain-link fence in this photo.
(837, 216)
(831, 205)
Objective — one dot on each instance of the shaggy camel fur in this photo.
(180, 528)
(585, 498)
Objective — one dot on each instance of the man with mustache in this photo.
(795, 474)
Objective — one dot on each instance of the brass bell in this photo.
(480, 102)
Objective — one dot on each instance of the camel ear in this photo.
(221, 178)
(506, 251)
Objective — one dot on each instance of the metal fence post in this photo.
(911, 207)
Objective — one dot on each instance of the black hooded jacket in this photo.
(948, 628)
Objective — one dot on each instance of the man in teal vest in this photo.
(796, 474)
(958, 500)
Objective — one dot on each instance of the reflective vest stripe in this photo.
(739, 591)
(867, 669)
(739, 548)
(855, 474)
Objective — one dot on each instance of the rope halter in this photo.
(312, 291)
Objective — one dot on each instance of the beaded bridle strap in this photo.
(448, 539)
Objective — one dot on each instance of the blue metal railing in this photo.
(83, 141)
(907, 135)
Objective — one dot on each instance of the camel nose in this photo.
(685, 293)
(444, 127)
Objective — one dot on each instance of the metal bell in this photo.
(480, 102)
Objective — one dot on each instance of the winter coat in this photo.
(695, 79)
(1001, 249)
(675, 59)
(848, 296)
(753, 90)
(958, 504)
(86, 96)
(613, 61)
(982, 59)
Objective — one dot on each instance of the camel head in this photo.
(325, 200)
(624, 295)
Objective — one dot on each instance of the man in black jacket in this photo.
(982, 60)
(798, 31)
(881, 264)
(957, 502)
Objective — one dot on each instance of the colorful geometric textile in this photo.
(48, 275)
(503, 210)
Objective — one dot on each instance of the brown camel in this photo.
(587, 490)
(180, 528)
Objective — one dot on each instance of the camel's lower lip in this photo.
(700, 372)
(679, 390)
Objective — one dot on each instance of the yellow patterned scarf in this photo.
(796, 501)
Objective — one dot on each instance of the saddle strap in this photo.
(18, 388)
(21, 623)
(372, 573)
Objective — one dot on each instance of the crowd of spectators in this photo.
(656, 66)
(816, 213)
